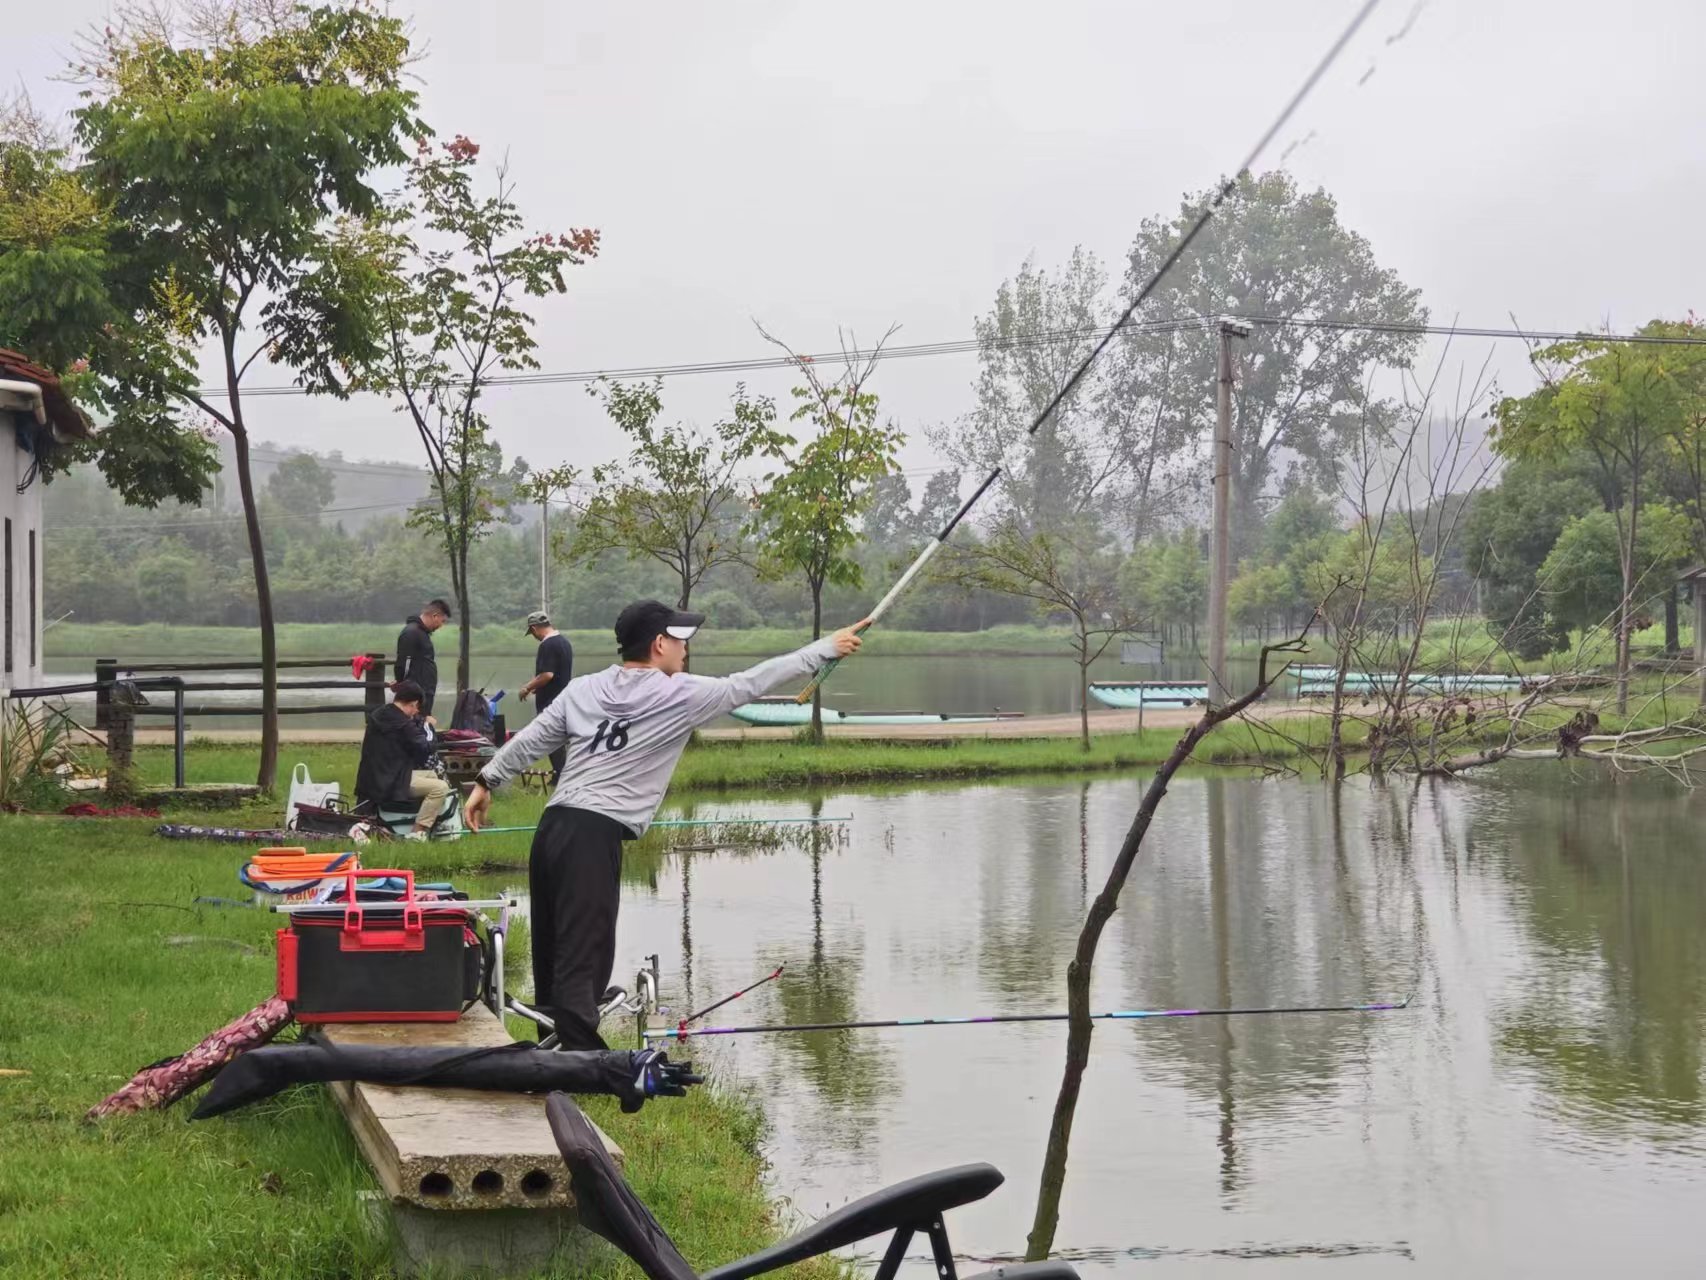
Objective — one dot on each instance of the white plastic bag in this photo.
(304, 790)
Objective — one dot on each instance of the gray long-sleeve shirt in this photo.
(627, 726)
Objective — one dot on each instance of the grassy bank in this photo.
(109, 967)
(727, 765)
(1464, 644)
(335, 640)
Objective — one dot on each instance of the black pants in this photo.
(574, 877)
(558, 756)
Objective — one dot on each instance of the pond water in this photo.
(1034, 685)
(1538, 1110)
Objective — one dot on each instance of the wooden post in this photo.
(106, 671)
(375, 691)
(121, 744)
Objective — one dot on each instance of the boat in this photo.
(786, 713)
(1310, 676)
(1128, 695)
(1361, 684)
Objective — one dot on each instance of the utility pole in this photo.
(1220, 563)
(545, 553)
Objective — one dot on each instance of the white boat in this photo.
(785, 712)
(1128, 695)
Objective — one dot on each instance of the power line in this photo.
(971, 346)
(236, 518)
(212, 521)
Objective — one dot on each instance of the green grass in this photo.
(725, 765)
(93, 991)
(336, 640)
(1464, 644)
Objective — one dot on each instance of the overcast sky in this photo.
(814, 165)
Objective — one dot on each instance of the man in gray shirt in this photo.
(625, 727)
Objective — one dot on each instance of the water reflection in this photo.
(1550, 924)
(1615, 896)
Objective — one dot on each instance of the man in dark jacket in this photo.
(416, 659)
(395, 750)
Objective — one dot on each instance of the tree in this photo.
(807, 513)
(1508, 532)
(1259, 594)
(1080, 1027)
(1615, 403)
(1583, 572)
(224, 149)
(302, 486)
(888, 522)
(1272, 250)
(1166, 580)
(936, 505)
(70, 301)
(449, 270)
(671, 499)
(1058, 575)
(1040, 329)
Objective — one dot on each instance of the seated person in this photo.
(395, 750)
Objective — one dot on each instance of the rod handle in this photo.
(805, 695)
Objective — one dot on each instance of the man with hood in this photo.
(625, 727)
(395, 752)
(416, 658)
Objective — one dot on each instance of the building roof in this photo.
(66, 418)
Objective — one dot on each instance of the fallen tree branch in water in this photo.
(1080, 1023)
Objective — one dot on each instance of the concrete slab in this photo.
(453, 1149)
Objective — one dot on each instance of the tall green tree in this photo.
(301, 485)
(1041, 327)
(674, 499)
(1583, 572)
(1616, 404)
(1300, 393)
(71, 301)
(451, 271)
(225, 148)
(807, 513)
(1507, 534)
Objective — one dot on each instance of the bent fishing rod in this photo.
(1225, 190)
(682, 1032)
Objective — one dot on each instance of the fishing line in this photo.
(681, 1027)
(1071, 384)
(683, 822)
(681, 1033)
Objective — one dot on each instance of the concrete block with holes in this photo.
(474, 1179)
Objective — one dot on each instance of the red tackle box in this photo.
(415, 961)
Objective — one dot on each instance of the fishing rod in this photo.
(684, 822)
(1071, 384)
(712, 1008)
(681, 1032)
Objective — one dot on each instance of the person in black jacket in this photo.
(395, 750)
(416, 659)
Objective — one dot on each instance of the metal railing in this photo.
(112, 675)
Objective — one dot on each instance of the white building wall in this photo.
(23, 510)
